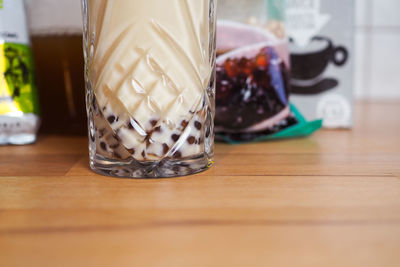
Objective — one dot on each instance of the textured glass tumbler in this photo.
(150, 86)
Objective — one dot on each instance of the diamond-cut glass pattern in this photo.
(149, 75)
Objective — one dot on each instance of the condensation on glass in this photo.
(150, 86)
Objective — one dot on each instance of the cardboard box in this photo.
(322, 59)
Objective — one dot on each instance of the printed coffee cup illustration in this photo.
(309, 64)
(252, 79)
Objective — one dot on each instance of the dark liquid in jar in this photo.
(60, 78)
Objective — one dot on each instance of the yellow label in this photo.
(7, 104)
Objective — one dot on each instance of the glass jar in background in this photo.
(150, 85)
(56, 35)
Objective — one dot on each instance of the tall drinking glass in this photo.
(150, 86)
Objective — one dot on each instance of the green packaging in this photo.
(19, 107)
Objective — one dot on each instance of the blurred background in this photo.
(55, 27)
(377, 49)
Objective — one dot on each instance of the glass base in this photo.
(166, 168)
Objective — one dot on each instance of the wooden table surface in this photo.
(329, 200)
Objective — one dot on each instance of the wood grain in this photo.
(329, 200)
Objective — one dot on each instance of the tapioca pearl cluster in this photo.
(180, 141)
(190, 141)
(114, 119)
(134, 145)
(121, 139)
(108, 144)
